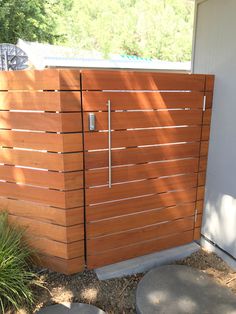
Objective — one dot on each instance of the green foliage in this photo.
(15, 277)
(146, 28)
(33, 20)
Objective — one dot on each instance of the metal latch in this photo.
(92, 122)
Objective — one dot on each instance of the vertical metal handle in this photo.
(109, 144)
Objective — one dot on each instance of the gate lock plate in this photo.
(92, 122)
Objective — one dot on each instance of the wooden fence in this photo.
(159, 137)
(42, 161)
(53, 168)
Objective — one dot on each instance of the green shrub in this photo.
(15, 275)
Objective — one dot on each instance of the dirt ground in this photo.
(117, 296)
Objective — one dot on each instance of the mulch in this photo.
(117, 296)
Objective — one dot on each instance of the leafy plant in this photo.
(15, 275)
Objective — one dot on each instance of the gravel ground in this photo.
(117, 296)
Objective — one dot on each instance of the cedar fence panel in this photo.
(41, 159)
(159, 138)
(54, 171)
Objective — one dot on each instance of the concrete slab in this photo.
(176, 289)
(146, 262)
(74, 308)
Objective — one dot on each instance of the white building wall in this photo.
(215, 53)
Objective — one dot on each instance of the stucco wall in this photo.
(215, 53)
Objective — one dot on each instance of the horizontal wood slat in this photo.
(32, 210)
(200, 193)
(133, 236)
(50, 161)
(199, 206)
(141, 204)
(48, 79)
(50, 179)
(129, 80)
(94, 101)
(198, 222)
(201, 178)
(134, 189)
(51, 122)
(160, 138)
(202, 163)
(197, 234)
(99, 159)
(138, 220)
(52, 142)
(99, 140)
(56, 248)
(55, 198)
(205, 132)
(204, 148)
(61, 265)
(51, 231)
(44, 101)
(142, 171)
(146, 119)
(142, 248)
(207, 117)
(210, 82)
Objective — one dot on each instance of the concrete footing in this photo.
(146, 262)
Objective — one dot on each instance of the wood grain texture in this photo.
(94, 101)
(197, 234)
(138, 220)
(98, 159)
(61, 265)
(139, 188)
(51, 122)
(40, 212)
(51, 231)
(146, 119)
(44, 101)
(141, 204)
(201, 178)
(199, 206)
(210, 79)
(55, 198)
(52, 142)
(200, 193)
(198, 222)
(48, 79)
(207, 117)
(50, 179)
(55, 248)
(98, 177)
(132, 138)
(142, 248)
(130, 80)
(42, 160)
(132, 236)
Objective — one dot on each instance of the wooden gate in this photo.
(159, 129)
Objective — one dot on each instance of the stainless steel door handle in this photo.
(109, 145)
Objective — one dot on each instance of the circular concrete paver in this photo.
(75, 308)
(176, 289)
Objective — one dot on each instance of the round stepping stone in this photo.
(75, 308)
(176, 289)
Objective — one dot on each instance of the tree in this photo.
(33, 20)
(147, 28)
